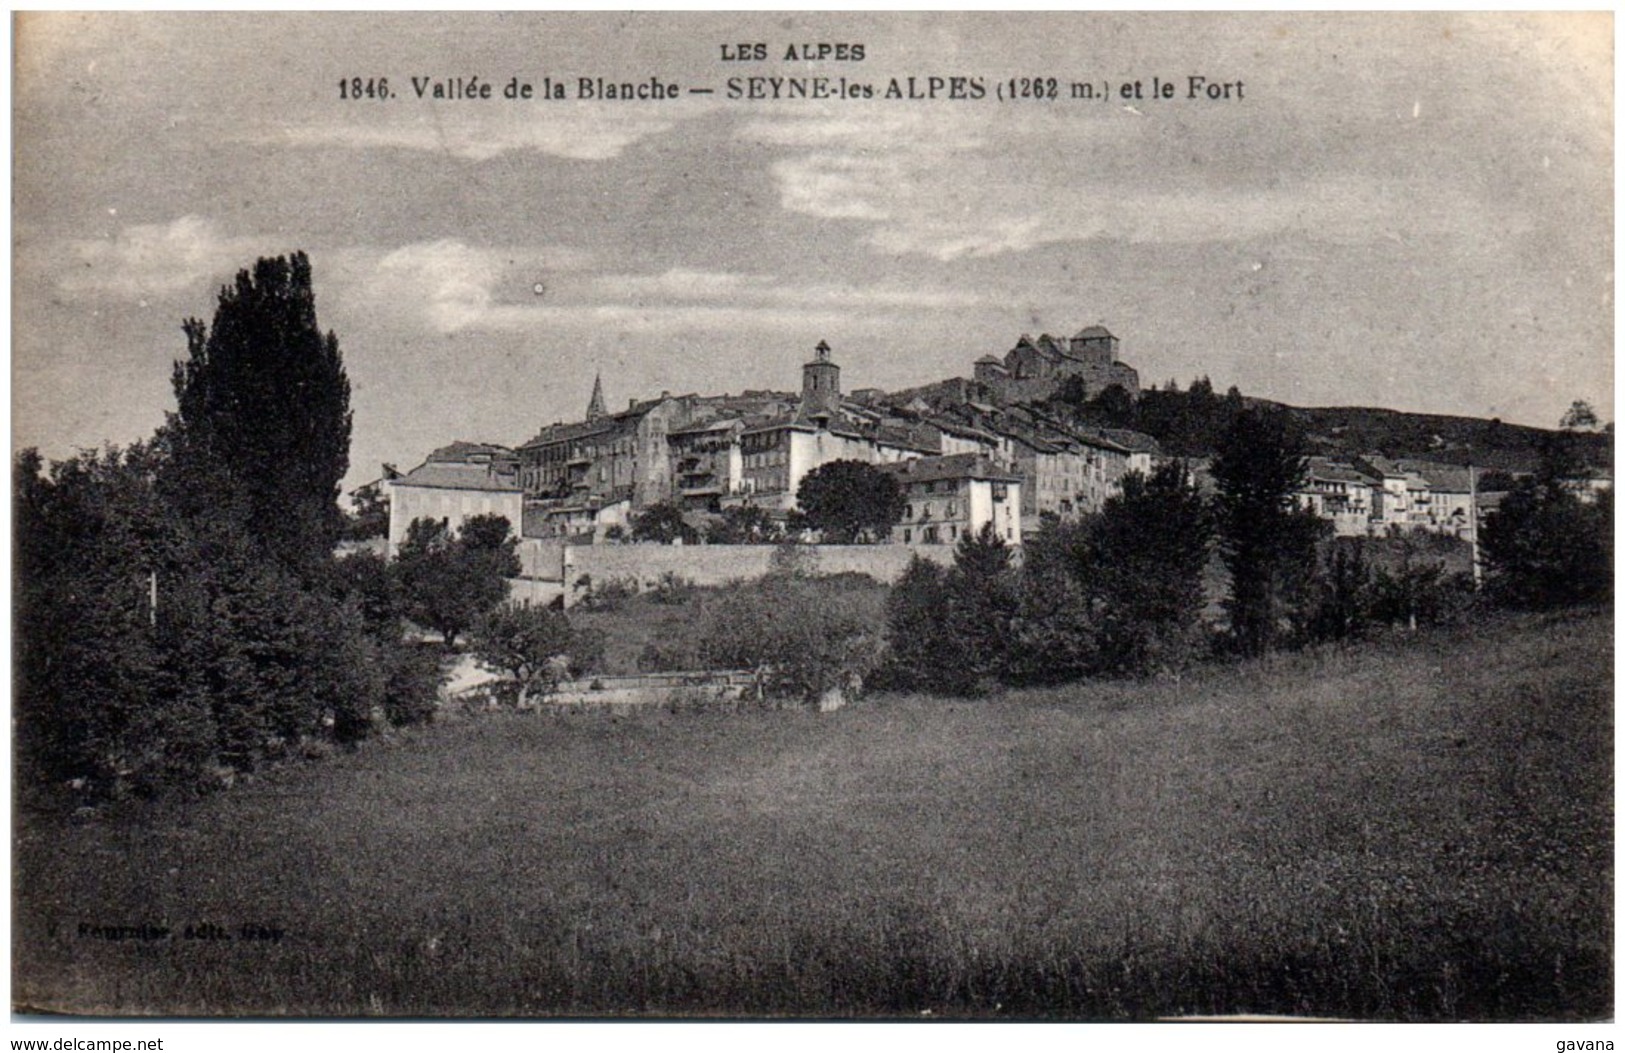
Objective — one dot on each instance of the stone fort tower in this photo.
(1036, 369)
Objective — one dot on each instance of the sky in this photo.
(1400, 210)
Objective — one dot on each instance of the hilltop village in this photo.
(966, 452)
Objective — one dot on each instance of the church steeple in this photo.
(595, 408)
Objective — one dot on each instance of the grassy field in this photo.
(1421, 829)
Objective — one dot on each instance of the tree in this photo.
(1545, 547)
(810, 639)
(263, 419)
(1580, 417)
(663, 523)
(1142, 565)
(920, 654)
(532, 644)
(982, 605)
(1267, 542)
(448, 582)
(1054, 633)
(89, 669)
(369, 514)
(745, 525)
(850, 502)
(1344, 609)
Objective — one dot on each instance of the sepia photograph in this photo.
(812, 516)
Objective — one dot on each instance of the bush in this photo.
(609, 595)
(412, 679)
(811, 642)
(667, 656)
(664, 524)
(672, 589)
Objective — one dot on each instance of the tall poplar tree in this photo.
(262, 430)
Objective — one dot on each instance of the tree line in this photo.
(1123, 592)
(180, 616)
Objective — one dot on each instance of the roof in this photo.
(902, 438)
(1331, 471)
(1385, 467)
(990, 360)
(720, 424)
(1448, 478)
(795, 423)
(456, 476)
(1095, 332)
(461, 451)
(1132, 441)
(965, 431)
(953, 466)
(556, 433)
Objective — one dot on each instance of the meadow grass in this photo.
(1414, 829)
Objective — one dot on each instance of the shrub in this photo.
(791, 559)
(672, 589)
(536, 646)
(610, 595)
(667, 656)
(663, 523)
(412, 679)
(809, 641)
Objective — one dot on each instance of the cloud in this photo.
(150, 260)
(735, 290)
(447, 280)
(580, 132)
(452, 286)
(959, 186)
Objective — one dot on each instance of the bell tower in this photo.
(820, 386)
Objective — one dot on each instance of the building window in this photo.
(908, 535)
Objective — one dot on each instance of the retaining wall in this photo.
(553, 568)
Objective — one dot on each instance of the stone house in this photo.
(946, 498)
(456, 483)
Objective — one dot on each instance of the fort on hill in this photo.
(1035, 370)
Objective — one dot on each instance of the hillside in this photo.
(1189, 424)
(1419, 828)
(1452, 440)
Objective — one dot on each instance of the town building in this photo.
(948, 498)
(1341, 494)
(454, 484)
(1403, 498)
